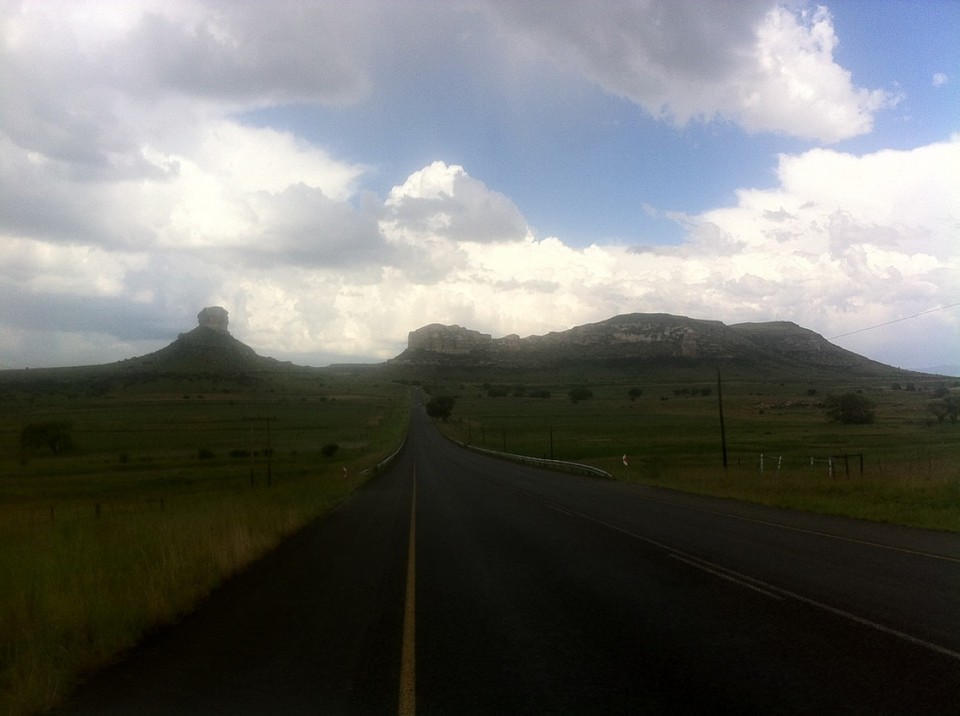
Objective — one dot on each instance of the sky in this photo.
(337, 174)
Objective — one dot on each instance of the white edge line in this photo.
(829, 535)
(771, 588)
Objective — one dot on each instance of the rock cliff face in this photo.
(448, 340)
(636, 336)
(214, 317)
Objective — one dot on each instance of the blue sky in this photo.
(542, 152)
(338, 174)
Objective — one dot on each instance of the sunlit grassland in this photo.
(671, 437)
(165, 495)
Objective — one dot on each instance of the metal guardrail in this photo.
(387, 460)
(563, 465)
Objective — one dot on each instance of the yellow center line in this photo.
(408, 671)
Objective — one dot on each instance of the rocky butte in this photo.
(207, 348)
(215, 317)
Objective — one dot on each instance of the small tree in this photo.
(440, 406)
(578, 394)
(635, 393)
(952, 404)
(850, 409)
(939, 409)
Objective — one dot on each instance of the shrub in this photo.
(440, 406)
(939, 409)
(850, 409)
(947, 406)
(635, 393)
(329, 450)
(581, 393)
(205, 454)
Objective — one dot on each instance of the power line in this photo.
(896, 320)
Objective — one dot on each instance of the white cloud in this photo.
(939, 79)
(829, 247)
(444, 201)
(762, 65)
(820, 249)
(131, 196)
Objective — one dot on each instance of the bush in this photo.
(635, 393)
(947, 406)
(578, 394)
(440, 406)
(939, 409)
(329, 450)
(205, 454)
(850, 409)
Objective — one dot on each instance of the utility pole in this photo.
(723, 432)
(270, 456)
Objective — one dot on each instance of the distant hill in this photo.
(641, 338)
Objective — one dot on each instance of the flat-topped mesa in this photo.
(653, 337)
(214, 317)
(449, 340)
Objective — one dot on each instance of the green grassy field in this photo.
(171, 487)
(670, 435)
(173, 484)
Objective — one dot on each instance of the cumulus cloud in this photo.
(940, 79)
(829, 247)
(132, 193)
(249, 53)
(767, 68)
(444, 201)
(841, 243)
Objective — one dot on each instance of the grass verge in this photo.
(160, 500)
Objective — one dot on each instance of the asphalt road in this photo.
(455, 583)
